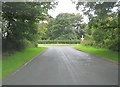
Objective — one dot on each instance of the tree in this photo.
(64, 27)
(42, 30)
(102, 29)
(98, 8)
(20, 22)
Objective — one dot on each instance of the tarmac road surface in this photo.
(63, 65)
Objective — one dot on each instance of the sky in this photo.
(65, 6)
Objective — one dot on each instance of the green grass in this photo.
(16, 60)
(105, 53)
(0, 69)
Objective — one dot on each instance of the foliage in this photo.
(20, 22)
(105, 32)
(102, 28)
(59, 42)
(99, 8)
(41, 30)
(64, 27)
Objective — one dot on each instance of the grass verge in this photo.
(0, 69)
(16, 60)
(105, 53)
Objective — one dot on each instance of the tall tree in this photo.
(20, 22)
(64, 27)
(102, 28)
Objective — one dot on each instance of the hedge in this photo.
(59, 42)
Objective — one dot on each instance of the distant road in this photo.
(63, 65)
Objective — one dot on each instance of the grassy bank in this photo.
(16, 60)
(105, 53)
(0, 69)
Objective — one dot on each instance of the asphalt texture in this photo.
(63, 65)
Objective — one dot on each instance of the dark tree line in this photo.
(20, 23)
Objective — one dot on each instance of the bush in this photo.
(15, 45)
(87, 42)
(115, 46)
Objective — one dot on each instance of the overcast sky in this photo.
(65, 6)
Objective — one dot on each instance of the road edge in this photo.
(22, 66)
(116, 62)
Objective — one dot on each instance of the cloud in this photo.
(65, 6)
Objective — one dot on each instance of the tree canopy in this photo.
(64, 27)
(20, 22)
(102, 29)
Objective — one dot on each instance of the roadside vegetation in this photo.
(102, 30)
(58, 41)
(27, 24)
(0, 69)
(101, 52)
(21, 23)
(14, 61)
(20, 32)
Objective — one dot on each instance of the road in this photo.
(63, 65)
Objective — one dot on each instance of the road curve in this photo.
(63, 65)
